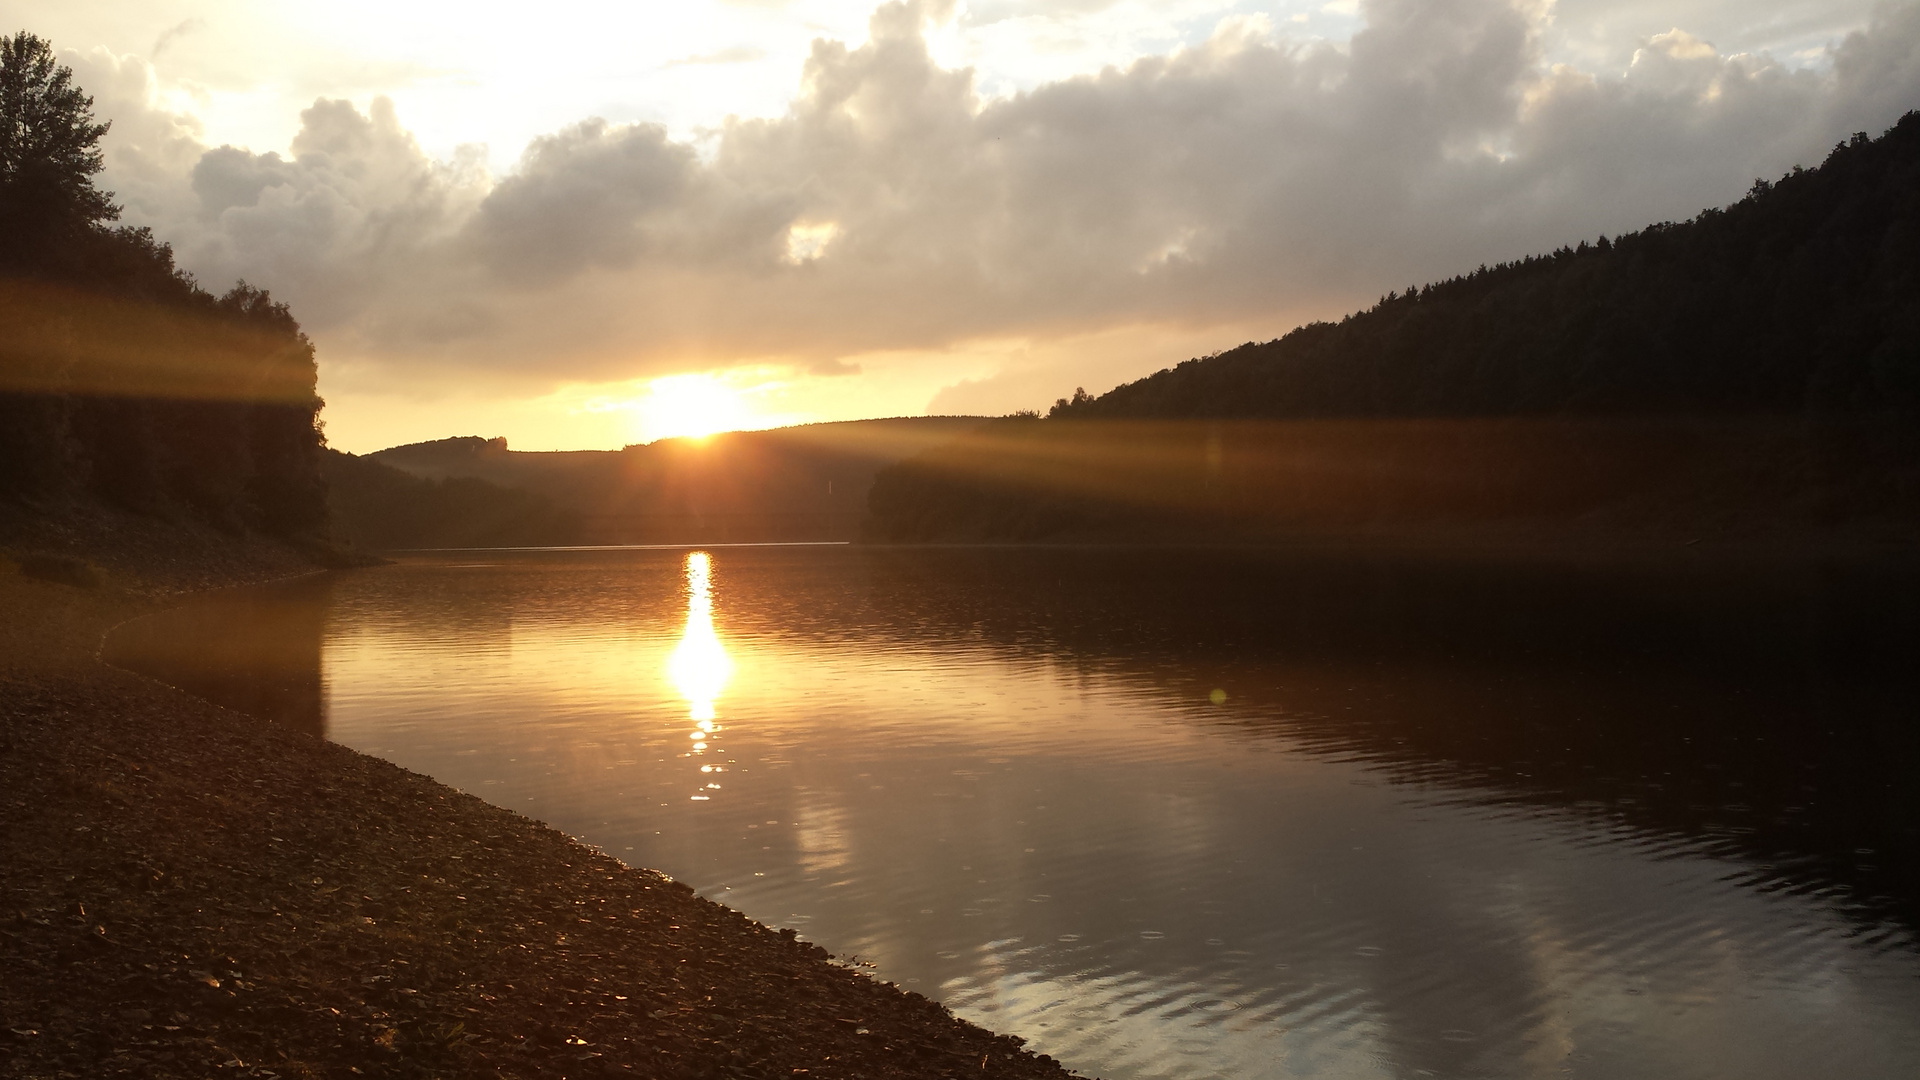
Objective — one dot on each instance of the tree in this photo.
(1062, 406)
(49, 155)
(121, 379)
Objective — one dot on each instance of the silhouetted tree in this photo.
(120, 377)
(49, 155)
(1062, 405)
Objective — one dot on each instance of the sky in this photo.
(586, 224)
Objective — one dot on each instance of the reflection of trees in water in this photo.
(256, 651)
(1765, 712)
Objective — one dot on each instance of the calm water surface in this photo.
(1183, 814)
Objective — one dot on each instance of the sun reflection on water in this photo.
(699, 666)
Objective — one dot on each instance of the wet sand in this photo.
(187, 891)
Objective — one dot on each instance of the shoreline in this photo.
(190, 891)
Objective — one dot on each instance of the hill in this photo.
(375, 507)
(786, 484)
(1754, 370)
(1805, 295)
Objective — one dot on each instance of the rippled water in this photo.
(1183, 814)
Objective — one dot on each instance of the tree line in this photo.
(1804, 296)
(122, 379)
(1758, 363)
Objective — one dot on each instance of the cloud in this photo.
(592, 195)
(1878, 73)
(355, 219)
(1249, 181)
(149, 150)
(175, 32)
(1587, 31)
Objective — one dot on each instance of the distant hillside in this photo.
(1755, 370)
(1803, 295)
(376, 507)
(787, 484)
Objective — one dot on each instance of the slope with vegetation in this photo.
(122, 381)
(805, 483)
(376, 507)
(1758, 363)
(1803, 297)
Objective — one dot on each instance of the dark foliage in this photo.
(1805, 295)
(49, 154)
(122, 379)
(1758, 365)
(377, 507)
(805, 483)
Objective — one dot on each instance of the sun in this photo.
(690, 406)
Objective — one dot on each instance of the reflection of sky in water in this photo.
(1078, 857)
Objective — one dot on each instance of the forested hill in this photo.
(802, 483)
(1752, 376)
(1805, 295)
(122, 381)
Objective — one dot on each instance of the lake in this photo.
(1194, 813)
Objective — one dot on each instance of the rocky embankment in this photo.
(186, 891)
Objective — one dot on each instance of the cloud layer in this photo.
(1250, 181)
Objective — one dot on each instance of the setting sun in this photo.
(690, 406)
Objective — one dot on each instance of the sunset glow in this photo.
(690, 406)
(904, 538)
(912, 207)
